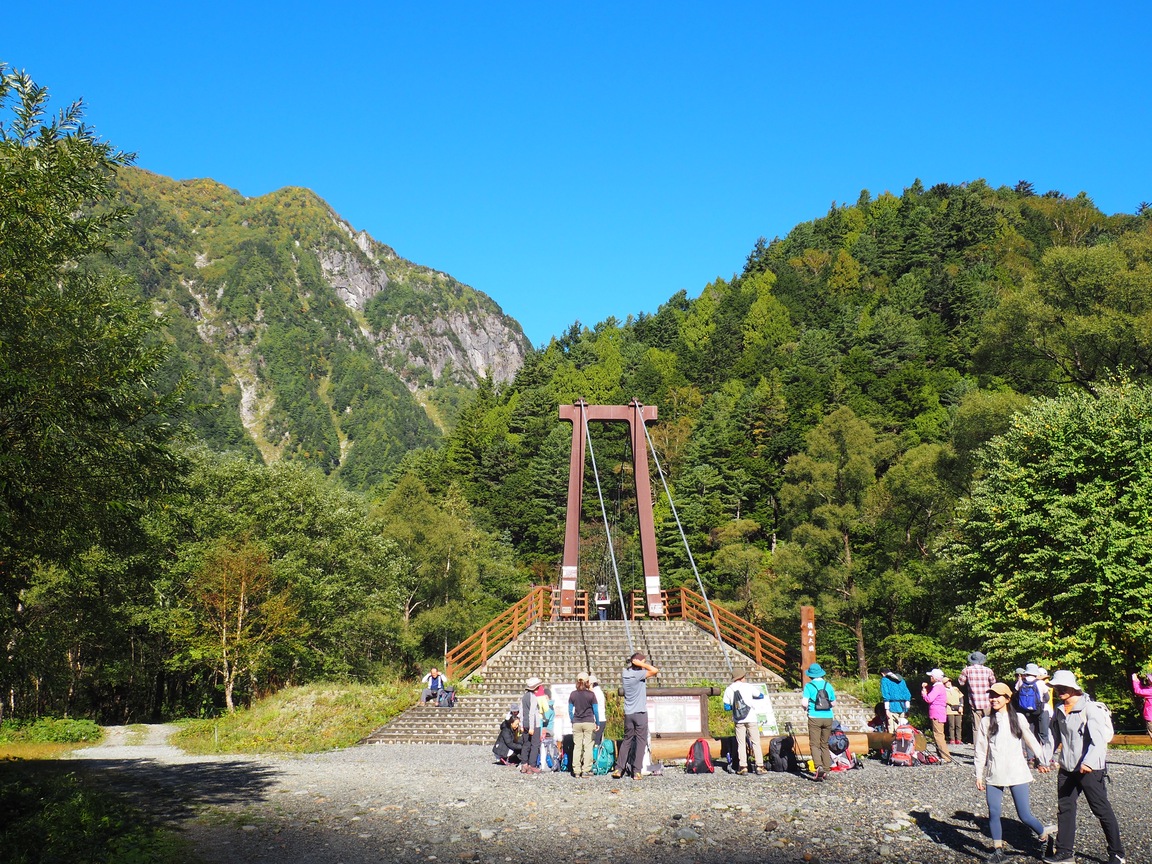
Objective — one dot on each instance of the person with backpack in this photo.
(1083, 729)
(1000, 765)
(634, 680)
(894, 692)
(937, 699)
(820, 697)
(738, 699)
(1031, 696)
(583, 714)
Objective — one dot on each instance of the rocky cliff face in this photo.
(300, 336)
(431, 333)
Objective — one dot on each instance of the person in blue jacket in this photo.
(819, 697)
(894, 691)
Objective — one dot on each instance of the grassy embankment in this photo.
(300, 719)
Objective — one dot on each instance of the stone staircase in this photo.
(557, 650)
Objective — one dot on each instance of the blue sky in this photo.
(576, 161)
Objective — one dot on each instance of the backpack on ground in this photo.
(549, 755)
(1028, 698)
(822, 702)
(926, 758)
(699, 758)
(604, 757)
(445, 698)
(903, 753)
(782, 755)
(838, 742)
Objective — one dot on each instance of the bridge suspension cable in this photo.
(684, 538)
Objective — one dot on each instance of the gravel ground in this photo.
(451, 803)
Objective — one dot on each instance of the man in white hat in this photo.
(747, 726)
(1084, 730)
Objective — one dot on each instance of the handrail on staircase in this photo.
(760, 645)
(684, 603)
(475, 651)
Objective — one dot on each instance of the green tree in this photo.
(85, 424)
(1053, 547)
(824, 497)
(237, 614)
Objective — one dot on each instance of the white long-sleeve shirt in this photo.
(1001, 755)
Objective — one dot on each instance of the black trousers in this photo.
(634, 744)
(1069, 785)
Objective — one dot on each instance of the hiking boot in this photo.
(1060, 858)
(997, 856)
(821, 773)
(616, 775)
(1116, 859)
(742, 771)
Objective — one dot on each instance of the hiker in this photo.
(978, 679)
(1144, 691)
(1000, 765)
(954, 720)
(507, 747)
(433, 683)
(1031, 695)
(1083, 729)
(634, 679)
(937, 699)
(584, 716)
(894, 692)
(747, 725)
(820, 697)
(601, 709)
(602, 602)
(530, 727)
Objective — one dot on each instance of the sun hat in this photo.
(1042, 673)
(1032, 669)
(532, 683)
(593, 680)
(1020, 670)
(977, 658)
(738, 674)
(815, 671)
(1064, 678)
(1001, 688)
(582, 676)
(514, 708)
(937, 674)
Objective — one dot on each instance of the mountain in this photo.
(301, 337)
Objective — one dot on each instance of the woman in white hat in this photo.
(1000, 765)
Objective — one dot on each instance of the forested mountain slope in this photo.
(298, 335)
(821, 412)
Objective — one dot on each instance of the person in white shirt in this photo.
(747, 729)
(1000, 765)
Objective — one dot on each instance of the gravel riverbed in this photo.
(451, 803)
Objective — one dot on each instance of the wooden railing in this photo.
(474, 652)
(542, 604)
(760, 645)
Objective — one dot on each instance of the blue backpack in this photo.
(1028, 698)
(604, 757)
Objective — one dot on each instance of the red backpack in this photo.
(903, 746)
(699, 758)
